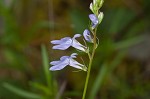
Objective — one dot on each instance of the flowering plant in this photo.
(89, 36)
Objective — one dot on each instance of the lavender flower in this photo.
(66, 42)
(94, 20)
(67, 60)
(87, 36)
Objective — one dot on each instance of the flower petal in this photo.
(61, 47)
(76, 44)
(54, 62)
(94, 20)
(62, 44)
(76, 35)
(56, 41)
(60, 41)
(73, 55)
(75, 64)
(87, 36)
(58, 67)
(61, 65)
(64, 58)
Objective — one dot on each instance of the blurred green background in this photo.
(121, 68)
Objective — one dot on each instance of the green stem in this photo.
(89, 67)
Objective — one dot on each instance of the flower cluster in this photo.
(64, 44)
(67, 42)
(97, 16)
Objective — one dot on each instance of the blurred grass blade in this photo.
(48, 75)
(36, 27)
(21, 92)
(40, 87)
(116, 61)
(99, 80)
(79, 20)
(105, 71)
(129, 42)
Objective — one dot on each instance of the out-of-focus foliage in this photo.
(121, 68)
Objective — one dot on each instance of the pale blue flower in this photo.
(67, 60)
(87, 36)
(94, 20)
(66, 42)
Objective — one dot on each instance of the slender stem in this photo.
(89, 67)
(89, 55)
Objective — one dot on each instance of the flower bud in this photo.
(100, 17)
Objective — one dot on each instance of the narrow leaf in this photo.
(21, 92)
(46, 66)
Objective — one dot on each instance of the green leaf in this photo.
(128, 43)
(40, 87)
(104, 71)
(46, 66)
(79, 20)
(21, 92)
(98, 81)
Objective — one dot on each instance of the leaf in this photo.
(46, 66)
(117, 19)
(79, 20)
(98, 81)
(128, 43)
(21, 92)
(104, 71)
(40, 87)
